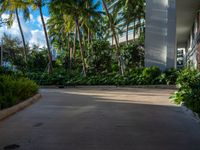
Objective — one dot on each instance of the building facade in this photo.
(192, 49)
(122, 35)
(172, 33)
(160, 34)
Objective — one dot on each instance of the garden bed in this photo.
(14, 90)
(12, 110)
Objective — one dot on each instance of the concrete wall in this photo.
(160, 35)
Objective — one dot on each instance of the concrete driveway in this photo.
(101, 119)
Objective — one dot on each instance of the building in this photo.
(172, 33)
(123, 35)
(192, 48)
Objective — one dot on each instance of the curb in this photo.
(173, 87)
(190, 113)
(14, 109)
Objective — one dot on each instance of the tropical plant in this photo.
(114, 34)
(188, 93)
(133, 55)
(99, 57)
(13, 51)
(12, 8)
(76, 16)
(132, 13)
(38, 4)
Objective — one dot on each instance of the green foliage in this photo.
(99, 56)
(13, 51)
(171, 76)
(14, 90)
(189, 91)
(150, 74)
(136, 76)
(37, 60)
(133, 55)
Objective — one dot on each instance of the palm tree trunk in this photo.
(68, 41)
(74, 47)
(1, 52)
(139, 23)
(115, 37)
(81, 47)
(88, 36)
(134, 30)
(83, 35)
(127, 29)
(50, 67)
(112, 41)
(69, 50)
(22, 34)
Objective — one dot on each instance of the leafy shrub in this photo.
(136, 76)
(171, 76)
(133, 55)
(189, 91)
(150, 74)
(14, 90)
(99, 56)
(5, 71)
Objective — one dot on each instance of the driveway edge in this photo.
(14, 109)
(173, 87)
(190, 113)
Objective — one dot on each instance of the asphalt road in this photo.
(101, 119)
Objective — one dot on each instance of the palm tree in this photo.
(61, 28)
(76, 14)
(38, 4)
(112, 26)
(133, 12)
(12, 8)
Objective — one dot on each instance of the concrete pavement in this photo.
(101, 119)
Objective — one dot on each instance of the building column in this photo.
(160, 35)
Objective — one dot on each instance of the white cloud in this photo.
(40, 21)
(37, 38)
(33, 36)
(32, 18)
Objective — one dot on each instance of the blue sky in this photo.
(32, 29)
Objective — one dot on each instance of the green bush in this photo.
(133, 55)
(99, 57)
(150, 74)
(14, 90)
(189, 91)
(136, 76)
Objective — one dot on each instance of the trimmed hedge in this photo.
(14, 90)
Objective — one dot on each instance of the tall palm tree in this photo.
(38, 4)
(112, 26)
(61, 27)
(76, 17)
(12, 8)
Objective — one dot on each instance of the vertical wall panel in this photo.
(160, 34)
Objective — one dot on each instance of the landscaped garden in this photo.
(88, 51)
